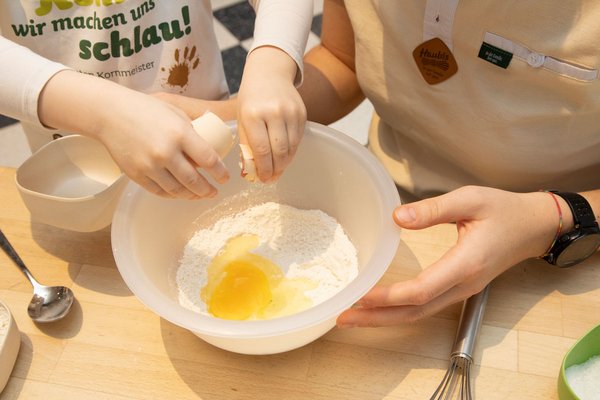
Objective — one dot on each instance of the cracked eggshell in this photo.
(247, 163)
(212, 129)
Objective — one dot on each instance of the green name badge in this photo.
(495, 55)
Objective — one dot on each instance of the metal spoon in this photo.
(49, 303)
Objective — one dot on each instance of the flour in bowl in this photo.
(306, 244)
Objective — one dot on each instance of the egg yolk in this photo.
(242, 285)
(243, 290)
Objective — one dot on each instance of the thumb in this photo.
(425, 213)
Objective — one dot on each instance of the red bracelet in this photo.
(560, 223)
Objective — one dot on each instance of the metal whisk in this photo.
(457, 381)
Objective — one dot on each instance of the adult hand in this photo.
(271, 113)
(496, 229)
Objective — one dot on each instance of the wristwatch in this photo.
(575, 246)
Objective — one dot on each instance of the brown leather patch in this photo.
(435, 61)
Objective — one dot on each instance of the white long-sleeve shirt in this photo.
(146, 45)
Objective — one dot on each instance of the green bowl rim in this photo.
(562, 375)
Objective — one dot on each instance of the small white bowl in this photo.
(71, 183)
(10, 342)
(331, 172)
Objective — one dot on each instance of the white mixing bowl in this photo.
(330, 172)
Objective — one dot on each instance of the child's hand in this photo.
(194, 108)
(271, 114)
(152, 141)
(155, 145)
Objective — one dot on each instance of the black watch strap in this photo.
(583, 215)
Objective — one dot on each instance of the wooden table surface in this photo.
(111, 347)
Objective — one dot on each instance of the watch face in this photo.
(578, 250)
